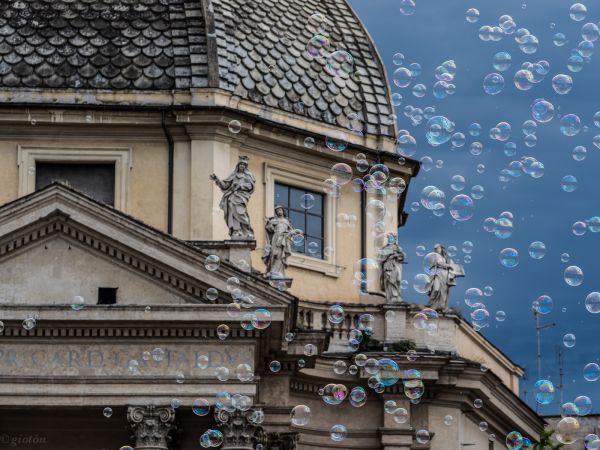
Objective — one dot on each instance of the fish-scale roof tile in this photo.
(256, 49)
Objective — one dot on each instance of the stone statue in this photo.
(443, 276)
(278, 245)
(391, 259)
(237, 189)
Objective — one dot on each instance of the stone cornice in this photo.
(112, 331)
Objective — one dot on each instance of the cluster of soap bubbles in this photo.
(480, 316)
(502, 227)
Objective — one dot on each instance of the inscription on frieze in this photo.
(114, 360)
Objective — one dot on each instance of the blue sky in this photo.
(542, 211)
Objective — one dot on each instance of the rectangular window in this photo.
(94, 179)
(305, 210)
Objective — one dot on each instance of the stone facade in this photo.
(151, 351)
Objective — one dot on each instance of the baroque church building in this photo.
(196, 201)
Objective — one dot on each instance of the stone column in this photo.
(152, 426)
(238, 432)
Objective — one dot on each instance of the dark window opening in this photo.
(96, 180)
(107, 296)
(306, 211)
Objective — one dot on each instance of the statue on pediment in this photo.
(237, 189)
(444, 273)
(278, 245)
(391, 260)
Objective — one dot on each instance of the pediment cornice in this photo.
(94, 227)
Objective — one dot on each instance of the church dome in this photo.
(262, 51)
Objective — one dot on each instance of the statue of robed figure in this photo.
(237, 189)
(444, 273)
(278, 245)
(391, 259)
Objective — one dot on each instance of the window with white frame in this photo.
(100, 172)
(311, 210)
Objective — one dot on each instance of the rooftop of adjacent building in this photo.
(306, 58)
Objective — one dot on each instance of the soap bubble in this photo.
(318, 46)
(341, 173)
(422, 436)
(562, 84)
(398, 59)
(338, 433)
(573, 276)
(568, 183)
(212, 262)
(500, 316)
(457, 182)
(310, 350)
(461, 207)
(514, 440)
(358, 396)
(559, 39)
(542, 110)
(537, 250)
(300, 415)
(569, 340)
(420, 283)
(309, 142)
(579, 153)
(274, 366)
(570, 124)
(472, 15)
(523, 80)
(575, 63)
(448, 420)
(158, 354)
(201, 407)
(336, 141)
(407, 7)
(402, 77)
(543, 304)
(473, 296)
(335, 314)
(591, 372)
(400, 415)
(478, 403)
(567, 430)
(509, 258)
(222, 332)
(234, 126)
(504, 228)
(578, 12)
(340, 64)
(592, 302)
(493, 83)
(502, 61)
(340, 367)
(439, 130)
(78, 303)
(477, 192)
(107, 412)
(583, 404)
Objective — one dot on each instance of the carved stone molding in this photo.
(152, 426)
(239, 433)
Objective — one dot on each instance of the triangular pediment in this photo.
(58, 243)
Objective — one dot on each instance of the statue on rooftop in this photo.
(237, 189)
(443, 276)
(278, 245)
(391, 259)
